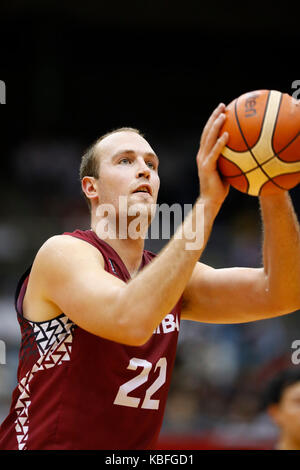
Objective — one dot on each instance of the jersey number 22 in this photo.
(122, 397)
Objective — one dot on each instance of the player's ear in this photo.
(89, 187)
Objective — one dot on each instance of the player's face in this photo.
(287, 412)
(128, 167)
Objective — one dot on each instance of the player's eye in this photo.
(151, 165)
(125, 160)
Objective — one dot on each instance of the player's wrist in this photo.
(211, 205)
(279, 195)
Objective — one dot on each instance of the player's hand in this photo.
(212, 187)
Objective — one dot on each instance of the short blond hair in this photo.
(90, 165)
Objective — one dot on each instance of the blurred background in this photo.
(75, 70)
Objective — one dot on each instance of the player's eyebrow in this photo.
(128, 151)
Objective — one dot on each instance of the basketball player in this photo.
(100, 319)
(282, 401)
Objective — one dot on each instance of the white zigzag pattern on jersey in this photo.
(47, 333)
(57, 349)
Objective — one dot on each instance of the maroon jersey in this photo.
(80, 391)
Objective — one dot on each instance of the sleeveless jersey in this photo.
(79, 391)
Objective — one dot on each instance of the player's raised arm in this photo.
(247, 294)
(70, 275)
(235, 295)
(281, 249)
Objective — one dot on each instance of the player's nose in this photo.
(143, 170)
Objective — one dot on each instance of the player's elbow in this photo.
(140, 339)
(131, 334)
(136, 331)
(130, 326)
(133, 320)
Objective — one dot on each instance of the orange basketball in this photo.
(262, 154)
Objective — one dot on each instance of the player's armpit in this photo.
(69, 273)
(230, 295)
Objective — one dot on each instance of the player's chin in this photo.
(142, 208)
(141, 196)
(145, 199)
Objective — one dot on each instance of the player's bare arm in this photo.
(68, 275)
(236, 295)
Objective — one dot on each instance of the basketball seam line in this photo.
(243, 137)
(284, 148)
(260, 131)
(253, 169)
(238, 123)
(275, 155)
(275, 123)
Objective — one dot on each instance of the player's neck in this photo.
(130, 251)
(127, 239)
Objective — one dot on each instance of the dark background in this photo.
(75, 70)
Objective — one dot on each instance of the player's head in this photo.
(117, 165)
(282, 401)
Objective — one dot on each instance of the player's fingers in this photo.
(212, 135)
(218, 147)
(210, 121)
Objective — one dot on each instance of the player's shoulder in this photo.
(58, 249)
(62, 243)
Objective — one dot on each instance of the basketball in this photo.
(262, 154)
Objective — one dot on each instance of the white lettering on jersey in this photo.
(168, 325)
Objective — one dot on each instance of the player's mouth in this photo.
(143, 188)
